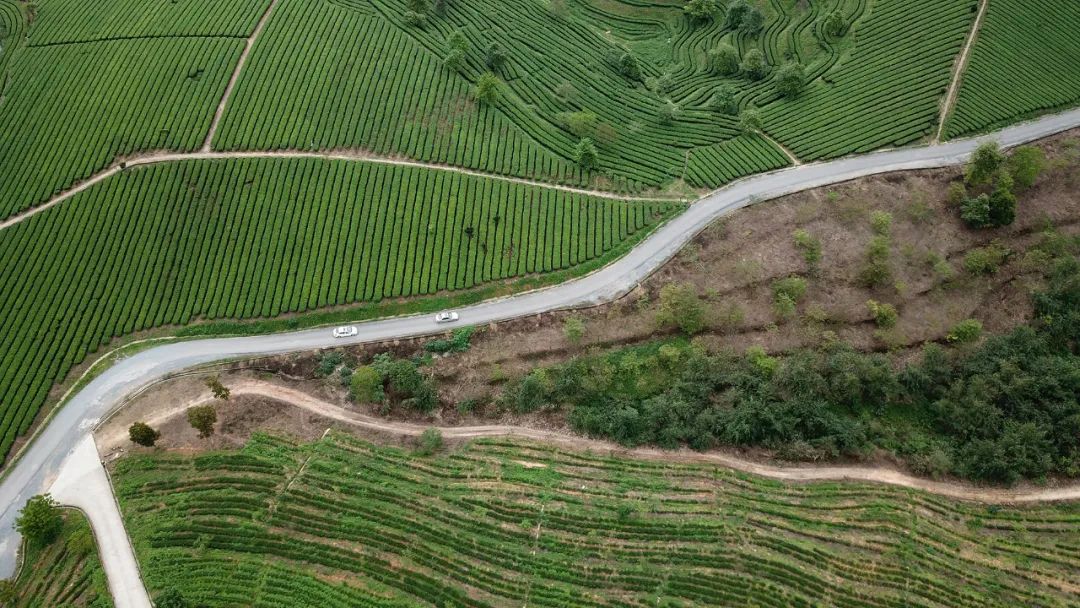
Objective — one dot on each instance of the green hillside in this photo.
(345, 523)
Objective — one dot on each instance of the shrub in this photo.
(724, 60)
(219, 390)
(494, 56)
(415, 19)
(984, 163)
(171, 598)
(754, 64)
(956, 195)
(750, 121)
(142, 434)
(680, 307)
(791, 79)
(885, 315)
(328, 362)
(786, 295)
(669, 112)
(202, 418)
(366, 385)
(460, 340)
(574, 330)
(986, 260)
(967, 330)
(40, 520)
(876, 271)
(723, 100)
(629, 66)
(431, 441)
(585, 154)
(1025, 165)
(488, 88)
(809, 246)
(736, 12)
(976, 211)
(701, 10)
(1002, 207)
(881, 222)
(835, 25)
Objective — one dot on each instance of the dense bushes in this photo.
(1000, 410)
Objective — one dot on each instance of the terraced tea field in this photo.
(239, 239)
(66, 573)
(1024, 62)
(345, 523)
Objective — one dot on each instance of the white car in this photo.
(446, 316)
(345, 331)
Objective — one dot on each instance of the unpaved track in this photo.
(117, 438)
(236, 75)
(958, 73)
(44, 454)
(155, 158)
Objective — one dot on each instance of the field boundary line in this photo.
(236, 74)
(794, 474)
(958, 72)
(347, 155)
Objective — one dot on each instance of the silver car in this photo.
(345, 331)
(446, 316)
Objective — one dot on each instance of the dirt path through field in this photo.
(958, 73)
(236, 74)
(111, 437)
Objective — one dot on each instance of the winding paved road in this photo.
(38, 466)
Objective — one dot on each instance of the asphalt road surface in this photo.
(37, 468)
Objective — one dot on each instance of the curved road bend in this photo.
(35, 471)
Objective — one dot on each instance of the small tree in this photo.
(986, 260)
(629, 66)
(701, 10)
(669, 112)
(585, 154)
(1025, 165)
(1002, 206)
(881, 222)
(736, 12)
(40, 520)
(985, 163)
(415, 19)
(876, 270)
(885, 315)
(835, 25)
(750, 121)
(753, 22)
(681, 307)
(957, 194)
(202, 418)
(976, 211)
(809, 246)
(142, 434)
(366, 385)
(967, 330)
(219, 390)
(494, 56)
(431, 441)
(574, 330)
(488, 88)
(724, 60)
(171, 598)
(791, 80)
(457, 46)
(723, 100)
(754, 65)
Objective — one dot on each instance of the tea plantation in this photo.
(345, 523)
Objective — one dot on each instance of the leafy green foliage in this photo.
(1025, 165)
(723, 100)
(985, 163)
(430, 442)
(574, 329)
(328, 362)
(366, 385)
(217, 389)
(884, 314)
(404, 382)
(810, 247)
(754, 64)
(786, 295)
(680, 307)
(143, 434)
(701, 10)
(724, 60)
(459, 342)
(876, 270)
(986, 260)
(791, 79)
(40, 520)
(585, 154)
(967, 330)
(202, 418)
(488, 88)
(835, 25)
